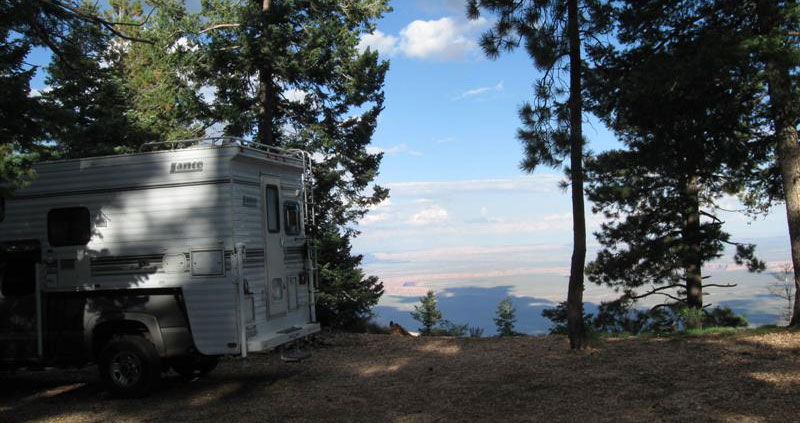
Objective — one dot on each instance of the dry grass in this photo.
(377, 378)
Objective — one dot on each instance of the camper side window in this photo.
(292, 218)
(69, 226)
(273, 212)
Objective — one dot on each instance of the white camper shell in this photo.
(214, 231)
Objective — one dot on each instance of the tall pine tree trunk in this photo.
(789, 158)
(780, 92)
(693, 258)
(266, 95)
(575, 292)
(266, 90)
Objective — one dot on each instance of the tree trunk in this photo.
(575, 292)
(789, 159)
(266, 95)
(693, 262)
(266, 91)
(780, 98)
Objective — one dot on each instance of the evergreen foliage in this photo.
(689, 141)
(427, 313)
(505, 318)
(622, 317)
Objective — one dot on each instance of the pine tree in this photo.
(689, 139)
(162, 75)
(427, 313)
(775, 39)
(555, 33)
(506, 317)
(88, 92)
(21, 114)
(288, 73)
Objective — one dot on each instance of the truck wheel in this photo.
(192, 367)
(129, 366)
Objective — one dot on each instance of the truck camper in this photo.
(166, 258)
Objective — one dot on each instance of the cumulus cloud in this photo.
(384, 43)
(429, 215)
(442, 39)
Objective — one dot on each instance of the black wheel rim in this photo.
(125, 369)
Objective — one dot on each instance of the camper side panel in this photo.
(151, 227)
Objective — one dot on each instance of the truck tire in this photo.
(192, 367)
(129, 366)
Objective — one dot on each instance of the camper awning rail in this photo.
(222, 141)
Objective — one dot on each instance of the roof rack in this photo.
(222, 141)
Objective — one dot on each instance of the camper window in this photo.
(69, 226)
(273, 213)
(292, 218)
(2, 208)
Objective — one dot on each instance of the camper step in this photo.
(294, 354)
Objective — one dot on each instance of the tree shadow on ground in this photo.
(368, 378)
(477, 306)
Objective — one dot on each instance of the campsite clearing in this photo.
(743, 377)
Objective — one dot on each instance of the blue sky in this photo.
(463, 219)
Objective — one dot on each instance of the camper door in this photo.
(277, 289)
(18, 317)
(69, 229)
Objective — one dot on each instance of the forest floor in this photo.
(740, 377)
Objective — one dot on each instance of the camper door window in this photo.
(292, 218)
(273, 212)
(69, 226)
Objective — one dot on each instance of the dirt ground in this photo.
(382, 378)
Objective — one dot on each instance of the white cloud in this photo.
(395, 149)
(372, 218)
(377, 213)
(38, 93)
(208, 93)
(442, 39)
(295, 96)
(182, 44)
(478, 91)
(542, 183)
(385, 44)
(443, 140)
(429, 215)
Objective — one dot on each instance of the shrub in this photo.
(448, 328)
(558, 317)
(475, 332)
(724, 317)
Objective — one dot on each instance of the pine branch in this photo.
(657, 291)
(220, 26)
(76, 12)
